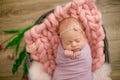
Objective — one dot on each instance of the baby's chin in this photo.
(74, 50)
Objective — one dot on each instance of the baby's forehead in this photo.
(71, 34)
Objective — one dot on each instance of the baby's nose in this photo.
(73, 44)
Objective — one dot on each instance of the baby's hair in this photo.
(68, 24)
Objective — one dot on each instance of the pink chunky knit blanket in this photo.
(42, 40)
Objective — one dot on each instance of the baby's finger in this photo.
(74, 56)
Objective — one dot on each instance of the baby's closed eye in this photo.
(78, 40)
(68, 43)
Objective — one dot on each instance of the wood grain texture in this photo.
(16, 14)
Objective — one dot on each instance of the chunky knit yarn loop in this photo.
(42, 40)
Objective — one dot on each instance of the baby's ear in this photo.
(83, 33)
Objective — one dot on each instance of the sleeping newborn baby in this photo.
(74, 61)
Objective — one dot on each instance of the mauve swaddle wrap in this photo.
(73, 69)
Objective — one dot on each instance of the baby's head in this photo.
(72, 34)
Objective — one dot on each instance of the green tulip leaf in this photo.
(19, 60)
(15, 41)
(25, 71)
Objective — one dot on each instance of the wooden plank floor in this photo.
(16, 14)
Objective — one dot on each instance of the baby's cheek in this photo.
(81, 44)
(67, 47)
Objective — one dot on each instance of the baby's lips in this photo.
(77, 49)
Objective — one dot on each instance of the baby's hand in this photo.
(70, 54)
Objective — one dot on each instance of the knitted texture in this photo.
(42, 40)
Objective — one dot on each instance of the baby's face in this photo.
(73, 40)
